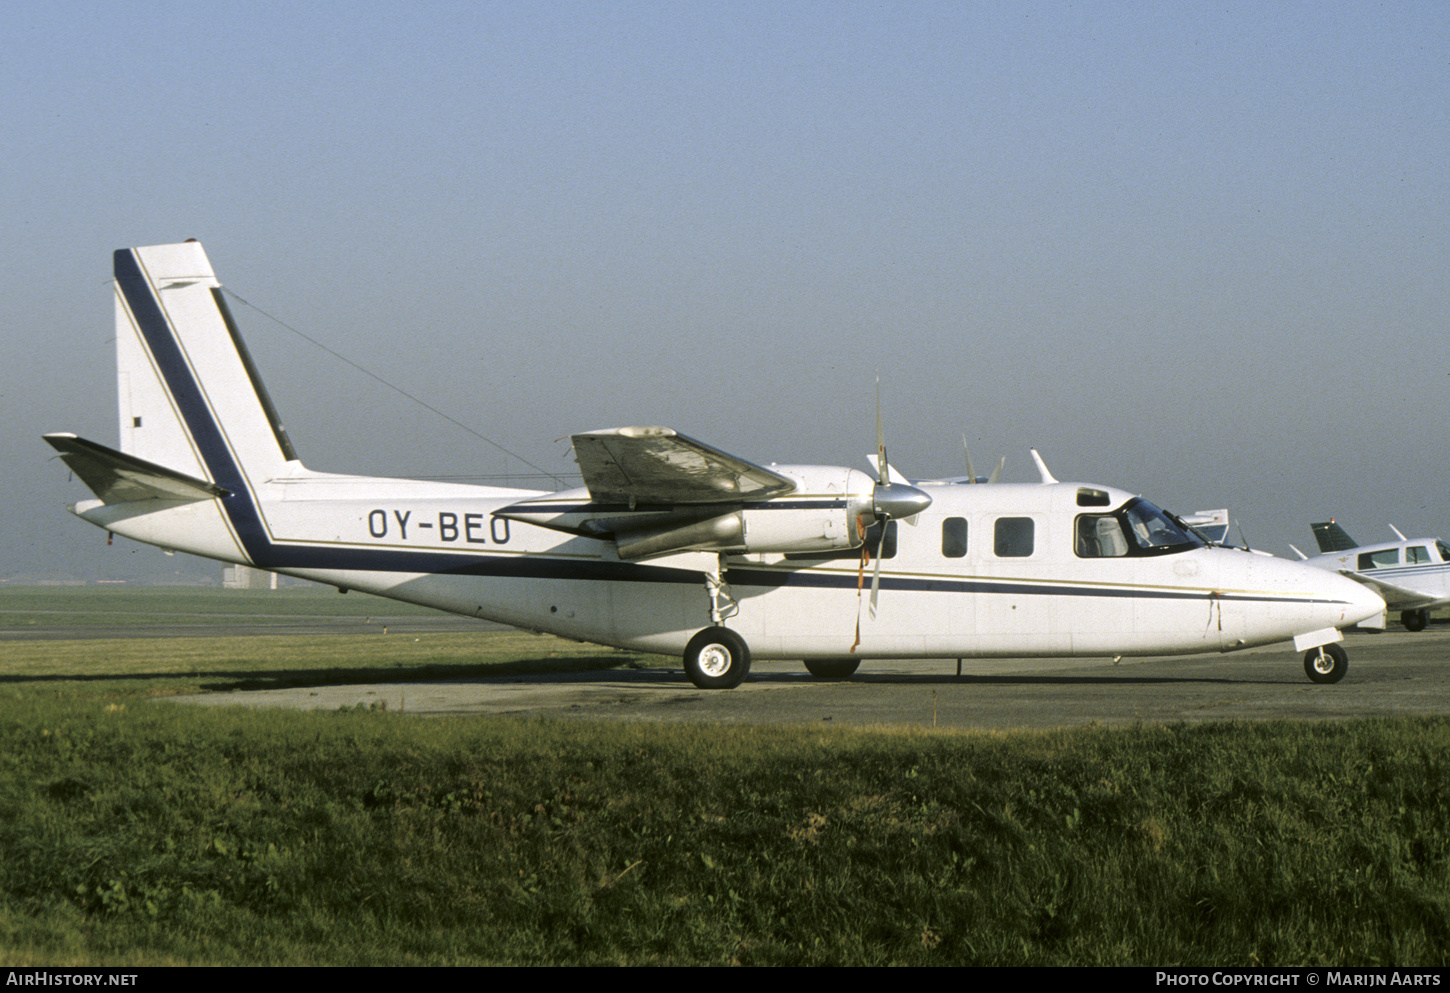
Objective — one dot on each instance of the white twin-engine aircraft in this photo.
(1412, 574)
(673, 546)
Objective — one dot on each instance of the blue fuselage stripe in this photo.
(191, 402)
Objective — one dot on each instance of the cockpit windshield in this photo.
(1138, 528)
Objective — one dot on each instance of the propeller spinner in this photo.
(894, 501)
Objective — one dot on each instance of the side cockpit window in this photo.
(1100, 537)
(1379, 560)
(1138, 528)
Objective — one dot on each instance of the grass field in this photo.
(156, 606)
(132, 833)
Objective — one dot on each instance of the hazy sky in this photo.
(1194, 250)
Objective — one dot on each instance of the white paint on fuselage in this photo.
(1051, 603)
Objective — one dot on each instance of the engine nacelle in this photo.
(819, 516)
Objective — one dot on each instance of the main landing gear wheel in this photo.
(1415, 620)
(717, 659)
(1326, 664)
(832, 668)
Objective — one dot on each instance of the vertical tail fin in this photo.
(190, 398)
(1332, 538)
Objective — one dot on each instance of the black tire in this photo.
(1415, 620)
(833, 668)
(1330, 668)
(717, 659)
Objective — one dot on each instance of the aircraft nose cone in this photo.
(1306, 599)
(1362, 603)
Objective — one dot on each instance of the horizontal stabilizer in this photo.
(116, 477)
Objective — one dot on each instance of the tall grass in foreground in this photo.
(136, 832)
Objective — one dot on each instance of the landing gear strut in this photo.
(1326, 664)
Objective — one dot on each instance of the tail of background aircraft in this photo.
(1332, 538)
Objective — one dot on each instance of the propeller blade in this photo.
(876, 570)
(972, 472)
(890, 500)
(881, 476)
(860, 575)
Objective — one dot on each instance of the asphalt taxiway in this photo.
(1396, 673)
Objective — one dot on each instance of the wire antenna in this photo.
(396, 389)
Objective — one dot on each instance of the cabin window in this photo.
(954, 537)
(1444, 550)
(1092, 498)
(1014, 537)
(1416, 554)
(1379, 560)
(1139, 528)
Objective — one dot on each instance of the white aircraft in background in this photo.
(672, 546)
(1212, 524)
(1412, 574)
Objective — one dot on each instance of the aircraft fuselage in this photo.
(672, 545)
(950, 588)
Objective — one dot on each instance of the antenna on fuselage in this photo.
(1247, 547)
(1042, 468)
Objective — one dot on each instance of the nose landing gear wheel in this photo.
(717, 659)
(1326, 664)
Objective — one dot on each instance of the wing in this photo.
(1398, 597)
(116, 477)
(654, 465)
